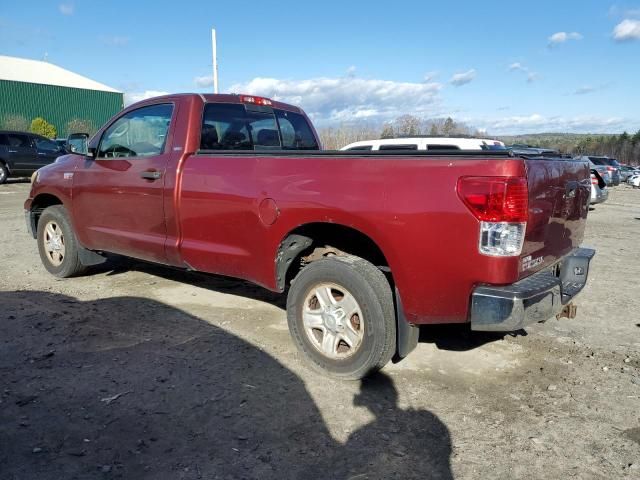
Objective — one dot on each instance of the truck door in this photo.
(118, 193)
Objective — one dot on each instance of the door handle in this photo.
(12, 151)
(153, 175)
(41, 153)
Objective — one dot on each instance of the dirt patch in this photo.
(139, 371)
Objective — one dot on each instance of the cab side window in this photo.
(139, 133)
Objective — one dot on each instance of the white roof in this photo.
(423, 143)
(45, 73)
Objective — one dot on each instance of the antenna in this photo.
(215, 60)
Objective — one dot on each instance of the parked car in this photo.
(599, 190)
(606, 174)
(612, 166)
(531, 151)
(367, 245)
(634, 180)
(22, 153)
(426, 142)
(626, 171)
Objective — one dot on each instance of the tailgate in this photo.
(559, 194)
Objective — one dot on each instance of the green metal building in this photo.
(31, 89)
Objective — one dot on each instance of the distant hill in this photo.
(624, 147)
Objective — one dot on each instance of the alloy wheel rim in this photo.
(333, 321)
(54, 243)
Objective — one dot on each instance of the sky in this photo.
(501, 66)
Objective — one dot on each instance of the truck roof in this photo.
(226, 98)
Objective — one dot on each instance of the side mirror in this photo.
(78, 143)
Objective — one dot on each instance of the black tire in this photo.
(4, 172)
(69, 264)
(372, 292)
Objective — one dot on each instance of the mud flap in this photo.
(89, 258)
(407, 334)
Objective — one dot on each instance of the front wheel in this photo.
(341, 316)
(57, 244)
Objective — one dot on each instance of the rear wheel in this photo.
(4, 173)
(341, 316)
(57, 244)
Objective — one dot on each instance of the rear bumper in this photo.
(599, 195)
(533, 299)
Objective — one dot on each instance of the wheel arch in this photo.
(303, 240)
(39, 203)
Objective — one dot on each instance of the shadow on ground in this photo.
(460, 338)
(453, 337)
(131, 388)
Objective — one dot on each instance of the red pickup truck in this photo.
(367, 245)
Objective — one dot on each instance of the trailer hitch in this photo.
(568, 311)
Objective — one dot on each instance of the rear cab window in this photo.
(235, 126)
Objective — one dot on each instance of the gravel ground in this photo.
(143, 372)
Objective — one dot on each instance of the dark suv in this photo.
(22, 153)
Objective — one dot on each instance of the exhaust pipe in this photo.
(568, 311)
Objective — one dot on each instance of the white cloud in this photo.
(348, 98)
(66, 8)
(532, 77)
(617, 11)
(203, 82)
(133, 97)
(561, 37)
(584, 90)
(115, 40)
(627, 30)
(536, 123)
(430, 76)
(459, 79)
(520, 68)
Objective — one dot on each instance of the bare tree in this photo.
(16, 123)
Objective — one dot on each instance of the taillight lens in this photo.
(594, 180)
(502, 206)
(611, 169)
(495, 199)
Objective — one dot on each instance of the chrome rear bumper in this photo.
(534, 299)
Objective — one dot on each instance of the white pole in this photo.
(215, 60)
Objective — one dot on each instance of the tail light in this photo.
(255, 100)
(594, 180)
(611, 169)
(501, 204)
